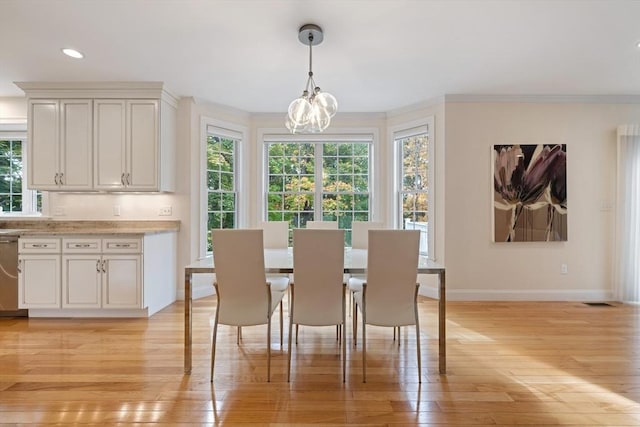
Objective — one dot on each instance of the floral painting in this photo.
(530, 193)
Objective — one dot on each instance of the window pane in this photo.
(5, 202)
(214, 201)
(415, 162)
(213, 180)
(226, 181)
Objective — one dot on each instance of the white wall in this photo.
(13, 109)
(465, 130)
(477, 268)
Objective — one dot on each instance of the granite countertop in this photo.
(39, 227)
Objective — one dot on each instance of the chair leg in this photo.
(290, 336)
(238, 334)
(343, 341)
(269, 347)
(363, 309)
(355, 324)
(398, 336)
(364, 343)
(297, 333)
(418, 344)
(281, 325)
(214, 337)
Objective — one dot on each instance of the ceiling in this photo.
(377, 55)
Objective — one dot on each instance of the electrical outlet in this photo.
(116, 210)
(563, 269)
(165, 211)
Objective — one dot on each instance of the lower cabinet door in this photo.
(122, 281)
(39, 281)
(82, 276)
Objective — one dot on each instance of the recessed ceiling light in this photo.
(638, 44)
(72, 53)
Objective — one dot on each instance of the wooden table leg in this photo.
(187, 321)
(442, 319)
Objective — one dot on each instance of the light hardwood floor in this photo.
(535, 364)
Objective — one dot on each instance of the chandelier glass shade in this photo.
(311, 112)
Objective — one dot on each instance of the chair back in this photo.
(322, 225)
(275, 234)
(318, 287)
(392, 273)
(360, 232)
(241, 284)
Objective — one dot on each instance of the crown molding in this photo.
(139, 90)
(545, 99)
(429, 103)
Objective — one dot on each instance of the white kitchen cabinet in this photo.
(97, 275)
(82, 278)
(110, 136)
(121, 281)
(39, 279)
(103, 273)
(126, 140)
(60, 151)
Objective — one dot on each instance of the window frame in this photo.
(346, 135)
(17, 131)
(210, 126)
(397, 134)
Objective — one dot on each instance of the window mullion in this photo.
(318, 214)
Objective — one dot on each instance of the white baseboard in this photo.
(520, 295)
(199, 291)
(88, 312)
(205, 290)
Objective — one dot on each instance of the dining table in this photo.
(280, 261)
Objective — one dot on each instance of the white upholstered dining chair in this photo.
(275, 234)
(360, 232)
(244, 296)
(318, 291)
(360, 240)
(322, 225)
(389, 295)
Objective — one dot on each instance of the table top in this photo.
(281, 261)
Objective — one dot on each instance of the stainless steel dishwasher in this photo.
(9, 277)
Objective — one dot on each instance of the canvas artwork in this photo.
(530, 193)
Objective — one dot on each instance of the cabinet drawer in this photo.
(122, 246)
(38, 245)
(81, 245)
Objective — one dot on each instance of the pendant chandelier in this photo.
(312, 112)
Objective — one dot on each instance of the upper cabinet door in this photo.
(142, 145)
(109, 140)
(44, 136)
(76, 145)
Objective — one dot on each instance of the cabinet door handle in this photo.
(104, 268)
(98, 266)
(128, 178)
(39, 245)
(81, 245)
(55, 179)
(122, 245)
(61, 178)
(19, 266)
(122, 179)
